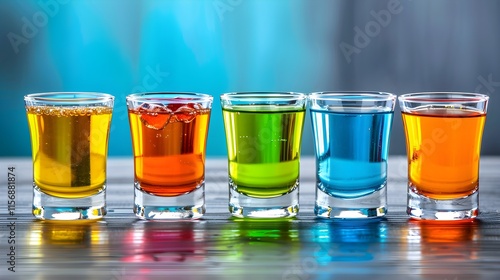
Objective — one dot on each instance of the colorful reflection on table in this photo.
(54, 235)
(164, 242)
(256, 247)
(440, 249)
(61, 248)
(347, 241)
(259, 239)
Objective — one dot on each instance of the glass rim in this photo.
(439, 97)
(244, 95)
(339, 95)
(83, 96)
(168, 95)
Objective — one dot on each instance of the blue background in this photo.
(217, 46)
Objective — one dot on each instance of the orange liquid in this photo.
(443, 148)
(169, 149)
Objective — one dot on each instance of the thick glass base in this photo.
(425, 208)
(47, 207)
(186, 206)
(373, 205)
(285, 206)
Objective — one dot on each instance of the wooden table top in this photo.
(220, 247)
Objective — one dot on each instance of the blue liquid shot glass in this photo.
(351, 135)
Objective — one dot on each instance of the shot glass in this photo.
(351, 135)
(263, 135)
(443, 142)
(69, 141)
(169, 134)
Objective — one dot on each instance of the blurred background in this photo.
(216, 46)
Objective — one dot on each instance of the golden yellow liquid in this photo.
(69, 146)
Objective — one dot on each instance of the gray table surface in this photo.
(220, 247)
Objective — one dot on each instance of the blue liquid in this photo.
(351, 152)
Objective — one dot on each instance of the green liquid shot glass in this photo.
(263, 135)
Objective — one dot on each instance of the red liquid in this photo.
(169, 147)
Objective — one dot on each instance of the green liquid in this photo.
(263, 148)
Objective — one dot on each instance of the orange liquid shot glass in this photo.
(443, 141)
